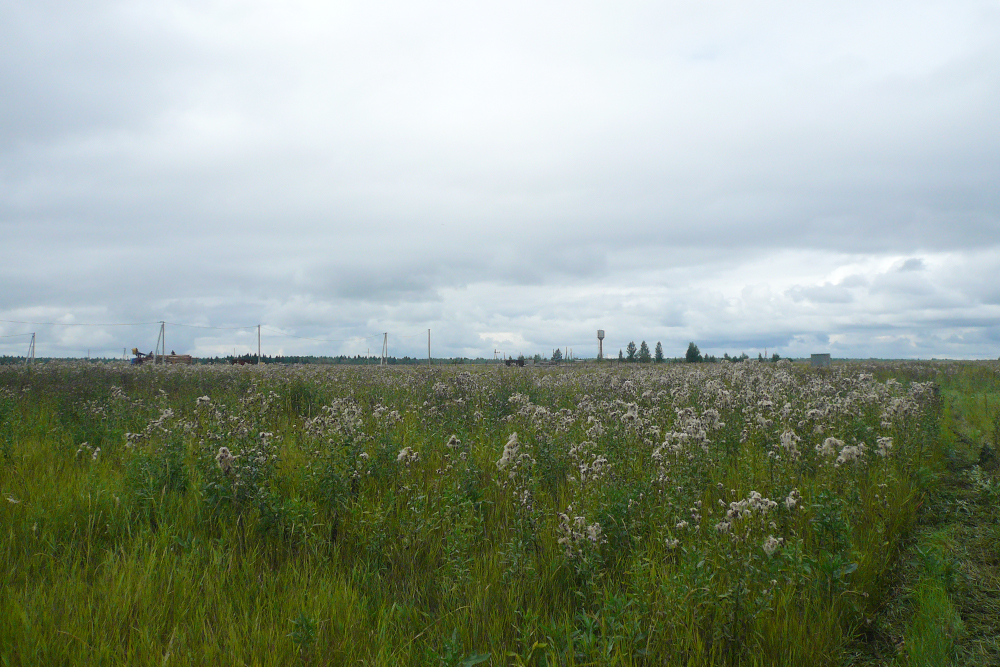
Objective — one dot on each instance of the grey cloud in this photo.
(822, 294)
(544, 169)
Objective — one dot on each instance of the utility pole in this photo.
(30, 357)
(428, 347)
(385, 349)
(161, 343)
(258, 345)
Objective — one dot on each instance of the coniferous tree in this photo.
(557, 355)
(630, 349)
(658, 355)
(644, 353)
(693, 353)
(621, 357)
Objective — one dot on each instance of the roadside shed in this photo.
(820, 360)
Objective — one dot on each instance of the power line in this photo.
(126, 324)
(81, 324)
(196, 326)
(199, 326)
(202, 326)
(321, 340)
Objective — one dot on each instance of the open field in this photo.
(691, 514)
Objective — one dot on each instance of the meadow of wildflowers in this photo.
(643, 515)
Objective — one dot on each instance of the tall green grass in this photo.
(323, 548)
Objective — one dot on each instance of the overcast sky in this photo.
(801, 177)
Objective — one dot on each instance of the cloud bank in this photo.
(796, 178)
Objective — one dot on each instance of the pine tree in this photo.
(693, 353)
(658, 355)
(644, 353)
(557, 355)
(630, 349)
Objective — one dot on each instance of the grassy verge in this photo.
(945, 608)
(930, 638)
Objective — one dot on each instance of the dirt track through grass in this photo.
(969, 502)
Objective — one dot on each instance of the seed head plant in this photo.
(621, 514)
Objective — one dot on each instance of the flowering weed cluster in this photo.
(602, 515)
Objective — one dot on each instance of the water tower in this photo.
(600, 344)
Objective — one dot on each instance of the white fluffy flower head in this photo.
(771, 544)
(407, 456)
(225, 460)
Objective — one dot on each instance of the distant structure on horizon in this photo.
(820, 360)
(600, 344)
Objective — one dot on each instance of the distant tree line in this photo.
(343, 359)
(641, 355)
(694, 355)
(631, 354)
